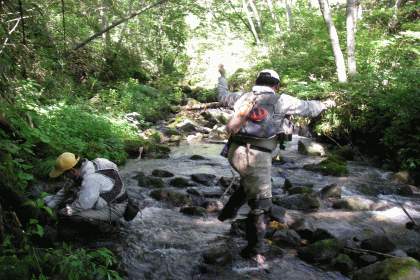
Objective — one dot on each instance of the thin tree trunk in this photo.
(64, 21)
(273, 15)
(335, 43)
(148, 7)
(289, 14)
(125, 23)
(104, 15)
(351, 42)
(257, 17)
(248, 15)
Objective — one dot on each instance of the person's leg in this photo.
(256, 224)
(236, 201)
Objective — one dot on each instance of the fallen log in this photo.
(201, 106)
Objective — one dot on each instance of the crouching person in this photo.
(95, 195)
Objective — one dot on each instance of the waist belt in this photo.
(240, 143)
(121, 199)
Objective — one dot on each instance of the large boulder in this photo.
(333, 165)
(321, 251)
(395, 269)
(304, 202)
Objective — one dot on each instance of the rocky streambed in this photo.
(350, 226)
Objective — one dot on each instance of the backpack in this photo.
(255, 120)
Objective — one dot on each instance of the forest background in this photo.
(71, 70)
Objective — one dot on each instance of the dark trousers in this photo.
(256, 221)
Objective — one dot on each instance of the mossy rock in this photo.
(334, 165)
(300, 189)
(394, 268)
(345, 152)
(321, 251)
(351, 204)
(171, 196)
(172, 132)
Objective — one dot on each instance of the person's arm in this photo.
(53, 201)
(224, 96)
(89, 192)
(289, 105)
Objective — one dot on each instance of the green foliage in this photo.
(64, 263)
(71, 128)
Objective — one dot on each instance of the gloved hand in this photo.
(222, 70)
(329, 103)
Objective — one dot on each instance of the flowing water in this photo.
(163, 243)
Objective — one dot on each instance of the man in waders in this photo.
(95, 195)
(250, 148)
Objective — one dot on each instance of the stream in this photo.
(163, 243)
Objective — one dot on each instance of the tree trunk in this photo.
(335, 43)
(351, 42)
(248, 15)
(289, 14)
(273, 15)
(104, 16)
(257, 17)
(125, 23)
(148, 7)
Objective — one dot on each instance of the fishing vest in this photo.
(260, 123)
(111, 196)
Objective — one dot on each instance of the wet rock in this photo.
(237, 227)
(399, 253)
(213, 206)
(149, 182)
(171, 196)
(179, 182)
(300, 190)
(352, 204)
(205, 179)
(344, 264)
(321, 234)
(331, 191)
(404, 191)
(218, 257)
(345, 152)
(188, 127)
(196, 192)
(378, 243)
(333, 165)
(287, 185)
(365, 260)
(278, 214)
(162, 173)
(307, 147)
(321, 251)
(287, 238)
(414, 252)
(212, 193)
(197, 157)
(304, 228)
(194, 211)
(395, 268)
(302, 202)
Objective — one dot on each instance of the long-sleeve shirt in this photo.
(91, 186)
(286, 105)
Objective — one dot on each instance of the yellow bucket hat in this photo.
(64, 162)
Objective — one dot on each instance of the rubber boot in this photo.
(255, 233)
(236, 201)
